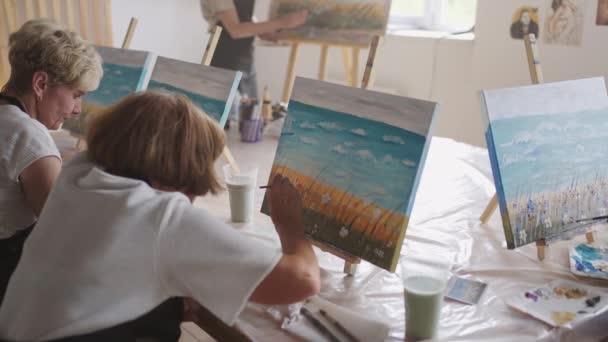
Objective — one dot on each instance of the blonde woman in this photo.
(118, 268)
(51, 69)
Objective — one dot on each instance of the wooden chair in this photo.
(91, 18)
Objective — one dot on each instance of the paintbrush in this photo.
(597, 218)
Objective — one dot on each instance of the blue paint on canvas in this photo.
(544, 153)
(118, 81)
(365, 153)
(551, 172)
(213, 107)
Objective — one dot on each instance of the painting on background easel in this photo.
(335, 21)
(212, 89)
(536, 75)
(356, 157)
(546, 144)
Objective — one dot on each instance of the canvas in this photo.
(124, 72)
(212, 89)
(547, 146)
(335, 21)
(355, 157)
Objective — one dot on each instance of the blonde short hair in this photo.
(160, 138)
(43, 45)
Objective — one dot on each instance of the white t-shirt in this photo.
(108, 249)
(23, 140)
(211, 7)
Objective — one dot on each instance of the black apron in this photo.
(11, 248)
(235, 54)
(159, 325)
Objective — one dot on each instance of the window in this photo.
(440, 15)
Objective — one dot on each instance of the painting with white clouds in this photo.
(547, 145)
(356, 157)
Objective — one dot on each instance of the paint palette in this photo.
(559, 302)
(589, 261)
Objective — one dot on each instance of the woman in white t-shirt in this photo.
(51, 68)
(118, 267)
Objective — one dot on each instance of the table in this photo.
(455, 188)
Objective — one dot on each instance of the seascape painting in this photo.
(547, 145)
(212, 89)
(124, 72)
(335, 21)
(356, 157)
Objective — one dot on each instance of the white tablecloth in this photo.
(455, 188)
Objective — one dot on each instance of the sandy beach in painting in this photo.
(346, 221)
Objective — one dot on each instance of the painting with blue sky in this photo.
(547, 145)
(212, 89)
(124, 72)
(355, 156)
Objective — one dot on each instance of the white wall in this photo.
(450, 71)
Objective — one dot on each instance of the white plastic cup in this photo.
(423, 294)
(241, 191)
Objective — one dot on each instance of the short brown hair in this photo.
(44, 45)
(160, 138)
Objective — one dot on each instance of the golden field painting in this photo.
(355, 157)
(335, 21)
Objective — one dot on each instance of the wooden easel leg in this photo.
(350, 268)
(323, 62)
(368, 80)
(211, 45)
(487, 213)
(590, 237)
(230, 159)
(347, 66)
(291, 73)
(354, 78)
(541, 248)
(126, 43)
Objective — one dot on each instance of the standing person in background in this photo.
(235, 48)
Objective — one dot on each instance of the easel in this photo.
(216, 32)
(351, 262)
(536, 75)
(351, 69)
